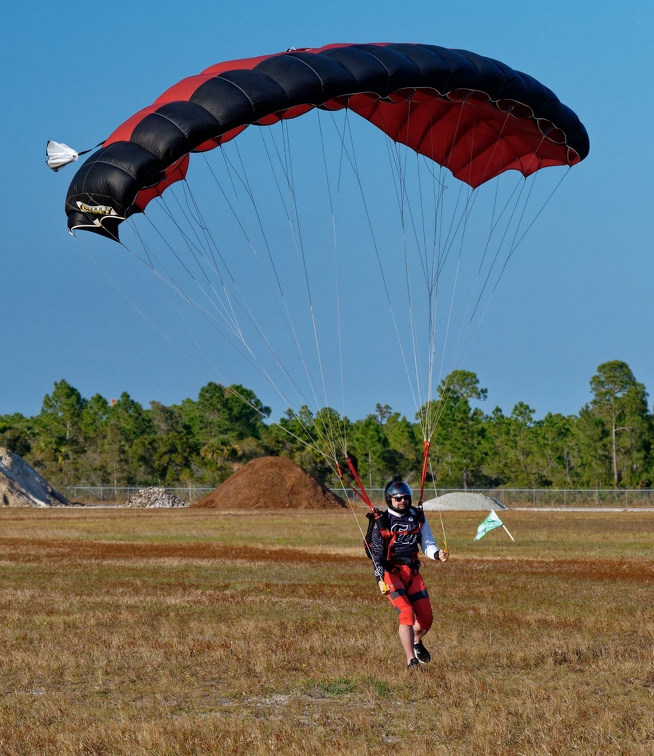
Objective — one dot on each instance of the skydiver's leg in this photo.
(407, 640)
(397, 595)
(424, 615)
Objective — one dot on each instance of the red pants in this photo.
(409, 596)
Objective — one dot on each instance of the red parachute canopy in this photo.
(471, 114)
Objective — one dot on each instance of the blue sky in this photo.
(578, 293)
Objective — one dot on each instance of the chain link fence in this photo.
(511, 497)
(540, 497)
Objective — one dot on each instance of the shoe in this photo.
(413, 664)
(422, 655)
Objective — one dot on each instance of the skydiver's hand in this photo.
(443, 555)
(383, 587)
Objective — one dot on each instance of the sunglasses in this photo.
(401, 498)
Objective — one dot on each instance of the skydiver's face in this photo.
(401, 503)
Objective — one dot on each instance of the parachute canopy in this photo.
(471, 114)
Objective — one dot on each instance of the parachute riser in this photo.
(423, 475)
(360, 491)
(425, 466)
(363, 495)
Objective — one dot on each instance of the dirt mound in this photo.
(22, 486)
(154, 498)
(463, 501)
(271, 483)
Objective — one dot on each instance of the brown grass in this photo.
(193, 632)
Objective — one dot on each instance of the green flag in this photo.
(490, 523)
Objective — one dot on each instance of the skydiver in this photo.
(394, 542)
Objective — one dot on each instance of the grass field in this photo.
(193, 632)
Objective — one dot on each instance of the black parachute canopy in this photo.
(471, 114)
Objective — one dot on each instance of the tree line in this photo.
(97, 442)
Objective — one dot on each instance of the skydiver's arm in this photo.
(377, 551)
(428, 542)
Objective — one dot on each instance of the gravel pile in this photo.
(463, 501)
(154, 498)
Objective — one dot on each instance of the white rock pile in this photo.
(463, 500)
(154, 498)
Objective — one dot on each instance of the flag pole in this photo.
(507, 532)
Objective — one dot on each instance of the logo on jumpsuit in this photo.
(404, 537)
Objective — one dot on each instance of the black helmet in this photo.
(397, 487)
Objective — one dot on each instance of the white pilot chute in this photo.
(59, 155)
